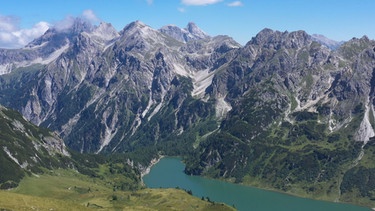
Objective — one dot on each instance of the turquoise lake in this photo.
(168, 173)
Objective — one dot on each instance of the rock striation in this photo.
(292, 110)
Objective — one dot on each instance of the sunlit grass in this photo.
(68, 190)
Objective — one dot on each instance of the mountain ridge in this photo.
(284, 109)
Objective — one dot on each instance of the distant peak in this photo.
(134, 25)
(192, 27)
(105, 26)
(270, 38)
(266, 31)
(137, 23)
(74, 25)
(105, 31)
(195, 30)
(262, 36)
(365, 38)
(332, 44)
(190, 32)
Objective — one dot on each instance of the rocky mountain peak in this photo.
(363, 41)
(269, 38)
(195, 31)
(105, 31)
(332, 44)
(78, 25)
(58, 35)
(262, 36)
(175, 32)
(191, 32)
(50, 37)
(106, 28)
(283, 96)
(139, 36)
(355, 46)
(135, 25)
(138, 30)
(298, 39)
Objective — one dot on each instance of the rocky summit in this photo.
(287, 111)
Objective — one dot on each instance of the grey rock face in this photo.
(332, 44)
(285, 108)
(27, 146)
(124, 83)
(191, 32)
(119, 83)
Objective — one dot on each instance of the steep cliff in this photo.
(287, 110)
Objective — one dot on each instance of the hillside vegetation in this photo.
(68, 190)
(285, 111)
(38, 172)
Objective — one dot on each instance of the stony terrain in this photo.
(287, 111)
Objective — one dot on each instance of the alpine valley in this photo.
(288, 111)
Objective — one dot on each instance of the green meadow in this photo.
(68, 190)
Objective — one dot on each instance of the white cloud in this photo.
(235, 4)
(64, 24)
(67, 22)
(180, 9)
(11, 36)
(26, 35)
(149, 2)
(8, 23)
(90, 16)
(200, 2)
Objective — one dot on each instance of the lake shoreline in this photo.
(165, 180)
(152, 163)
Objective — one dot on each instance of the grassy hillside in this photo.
(38, 173)
(27, 149)
(68, 190)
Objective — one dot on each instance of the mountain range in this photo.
(286, 111)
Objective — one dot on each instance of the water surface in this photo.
(168, 173)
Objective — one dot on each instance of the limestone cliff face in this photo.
(105, 89)
(300, 112)
(283, 102)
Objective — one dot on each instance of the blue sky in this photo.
(23, 20)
